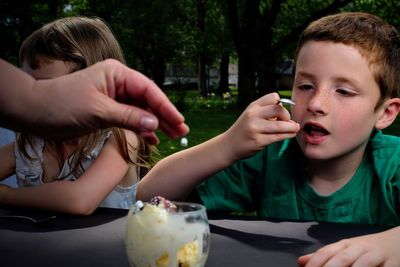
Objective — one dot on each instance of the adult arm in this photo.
(262, 123)
(80, 102)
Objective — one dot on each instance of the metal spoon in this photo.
(286, 101)
(27, 218)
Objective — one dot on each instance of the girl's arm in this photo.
(262, 123)
(7, 162)
(81, 196)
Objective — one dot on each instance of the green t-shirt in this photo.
(273, 184)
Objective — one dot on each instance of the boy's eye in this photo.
(305, 87)
(344, 92)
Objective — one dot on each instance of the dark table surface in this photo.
(98, 239)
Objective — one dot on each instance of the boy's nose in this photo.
(318, 103)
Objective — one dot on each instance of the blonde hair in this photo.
(376, 40)
(82, 41)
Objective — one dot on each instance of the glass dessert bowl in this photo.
(161, 233)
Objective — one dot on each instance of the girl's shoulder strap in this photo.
(101, 142)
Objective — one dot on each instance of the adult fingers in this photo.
(142, 122)
(176, 130)
(131, 117)
(150, 137)
(132, 85)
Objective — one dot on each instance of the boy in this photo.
(339, 168)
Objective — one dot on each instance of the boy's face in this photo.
(336, 95)
(48, 68)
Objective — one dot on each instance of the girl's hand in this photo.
(262, 123)
(379, 249)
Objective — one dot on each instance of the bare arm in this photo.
(177, 175)
(262, 123)
(7, 162)
(82, 196)
(87, 102)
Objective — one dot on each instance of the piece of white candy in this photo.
(184, 142)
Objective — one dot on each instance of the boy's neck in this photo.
(328, 176)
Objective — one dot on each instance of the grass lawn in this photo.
(204, 124)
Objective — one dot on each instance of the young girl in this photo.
(78, 174)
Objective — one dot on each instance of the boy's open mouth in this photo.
(314, 129)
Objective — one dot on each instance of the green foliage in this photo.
(386, 9)
(18, 19)
(189, 100)
(213, 101)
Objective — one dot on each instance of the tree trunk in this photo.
(54, 9)
(158, 71)
(201, 74)
(243, 28)
(247, 81)
(201, 57)
(265, 56)
(267, 81)
(223, 75)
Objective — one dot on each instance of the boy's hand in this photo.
(4, 191)
(381, 249)
(262, 123)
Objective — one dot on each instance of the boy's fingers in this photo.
(324, 254)
(302, 260)
(272, 127)
(371, 260)
(269, 99)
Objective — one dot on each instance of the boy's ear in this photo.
(390, 109)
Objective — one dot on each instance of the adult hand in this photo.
(80, 102)
(379, 249)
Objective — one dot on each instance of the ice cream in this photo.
(167, 234)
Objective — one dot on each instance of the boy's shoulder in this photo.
(385, 154)
(380, 141)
